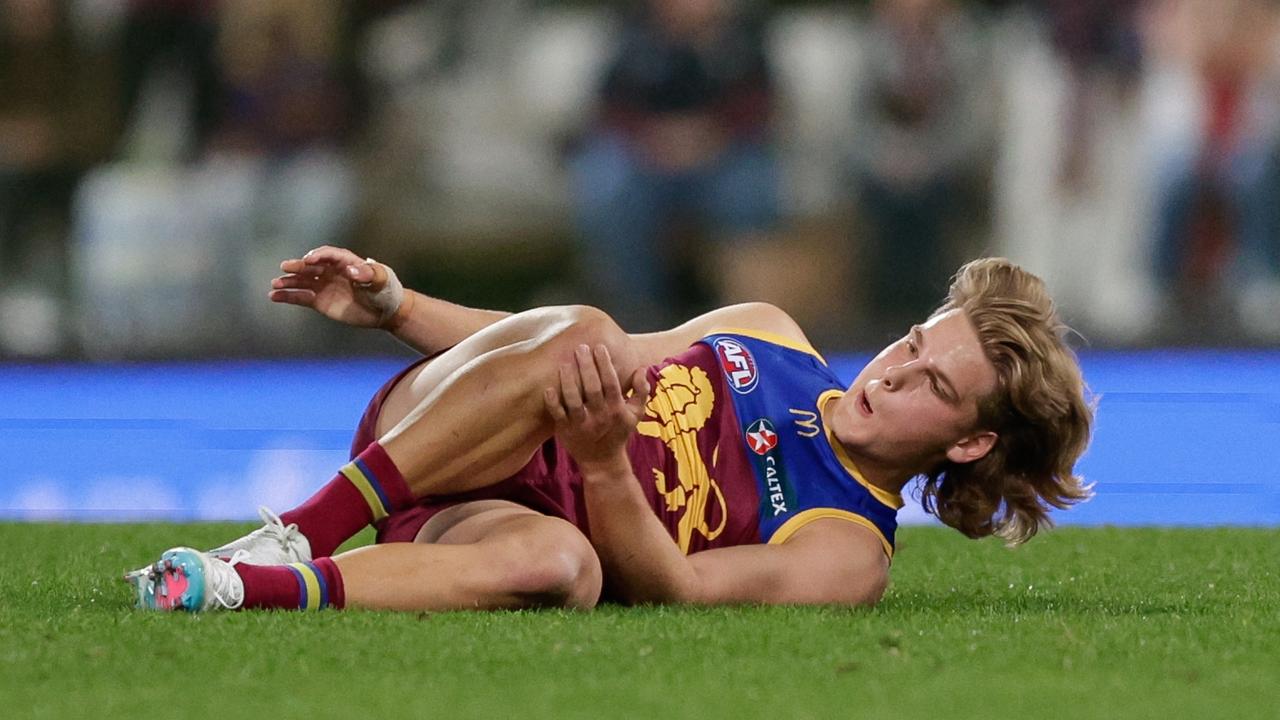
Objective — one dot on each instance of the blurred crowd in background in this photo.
(159, 157)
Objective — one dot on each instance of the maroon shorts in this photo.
(549, 483)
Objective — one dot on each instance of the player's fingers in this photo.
(300, 267)
(367, 273)
(318, 251)
(555, 408)
(295, 280)
(571, 393)
(305, 298)
(639, 389)
(330, 255)
(609, 382)
(591, 386)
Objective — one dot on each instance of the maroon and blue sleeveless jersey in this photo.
(733, 450)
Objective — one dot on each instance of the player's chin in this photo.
(853, 432)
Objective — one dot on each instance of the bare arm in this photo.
(433, 325)
(828, 561)
(344, 287)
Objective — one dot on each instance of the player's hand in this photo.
(340, 285)
(592, 416)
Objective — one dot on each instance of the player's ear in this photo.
(973, 447)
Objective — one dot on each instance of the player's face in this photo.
(916, 403)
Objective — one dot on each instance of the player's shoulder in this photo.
(764, 321)
(751, 318)
(760, 318)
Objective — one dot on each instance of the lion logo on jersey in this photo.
(679, 407)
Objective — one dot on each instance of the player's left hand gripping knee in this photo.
(593, 417)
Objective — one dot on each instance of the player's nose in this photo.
(892, 378)
(895, 376)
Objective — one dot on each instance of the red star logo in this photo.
(761, 438)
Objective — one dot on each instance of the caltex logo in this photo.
(761, 437)
(738, 365)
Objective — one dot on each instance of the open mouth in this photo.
(863, 404)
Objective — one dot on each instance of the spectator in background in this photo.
(54, 123)
(170, 41)
(1218, 188)
(1069, 176)
(682, 138)
(1097, 43)
(916, 151)
(286, 115)
(258, 78)
(196, 212)
(283, 91)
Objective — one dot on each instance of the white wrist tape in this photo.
(386, 292)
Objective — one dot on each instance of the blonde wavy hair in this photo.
(1039, 410)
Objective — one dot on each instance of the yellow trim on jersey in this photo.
(893, 500)
(352, 472)
(801, 519)
(313, 585)
(774, 338)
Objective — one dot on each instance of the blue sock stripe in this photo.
(324, 586)
(376, 483)
(302, 586)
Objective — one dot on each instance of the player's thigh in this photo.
(544, 558)
(546, 336)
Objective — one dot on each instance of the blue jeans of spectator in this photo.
(625, 209)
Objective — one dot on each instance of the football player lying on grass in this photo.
(548, 458)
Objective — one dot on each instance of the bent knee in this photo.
(586, 325)
(552, 565)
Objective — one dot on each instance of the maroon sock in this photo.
(364, 491)
(298, 586)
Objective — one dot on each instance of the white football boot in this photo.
(272, 544)
(189, 580)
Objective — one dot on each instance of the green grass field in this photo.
(1080, 623)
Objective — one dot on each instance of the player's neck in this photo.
(890, 477)
(886, 477)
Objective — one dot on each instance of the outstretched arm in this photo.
(828, 561)
(344, 287)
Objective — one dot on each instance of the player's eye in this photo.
(911, 347)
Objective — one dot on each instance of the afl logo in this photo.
(761, 437)
(738, 365)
